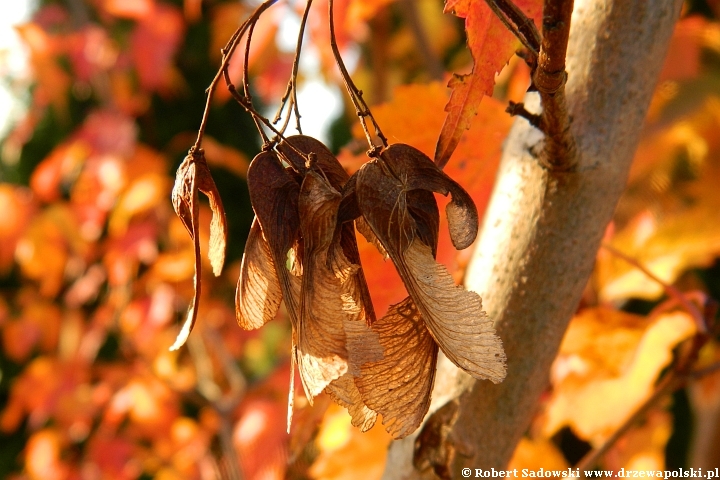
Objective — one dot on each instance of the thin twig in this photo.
(246, 80)
(227, 52)
(518, 109)
(432, 63)
(667, 385)
(251, 110)
(291, 89)
(361, 108)
(517, 22)
(671, 291)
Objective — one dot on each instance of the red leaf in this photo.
(491, 46)
(154, 43)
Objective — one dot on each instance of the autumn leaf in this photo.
(345, 453)
(19, 208)
(644, 447)
(43, 455)
(536, 454)
(154, 43)
(661, 219)
(394, 195)
(491, 45)
(192, 176)
(321, 337)
(607, 366)
(476, 167)
(295, 149)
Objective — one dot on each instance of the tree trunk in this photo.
(540, 235)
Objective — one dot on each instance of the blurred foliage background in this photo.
(96, 270)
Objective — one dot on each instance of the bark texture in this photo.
(540, 235)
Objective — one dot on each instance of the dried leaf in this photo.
(296, 149)
(491, 46)
(218, 224)
(418, 172)
(398, 387)
(405, 169)
(258, 293)
(363, 346)
(274, 195)
(475, 161)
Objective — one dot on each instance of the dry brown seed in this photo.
(453, 316)
(192, 176)
(398, 386)
(258, 294)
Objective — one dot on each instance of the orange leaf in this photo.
(135, 9)
(491, 45)
(18, 207)
(472, 167)
(607, 366)
(53, 81)
(345, 452)
(42, 456)
(154, 43)
(666, 218)
(642, 448)
(537, 454)
(260, 435)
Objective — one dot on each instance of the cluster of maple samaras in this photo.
(302, 249)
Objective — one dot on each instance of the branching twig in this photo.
(518, 109)
(227, 53)
(361, 108)
(291, 89)
(246, 80)
(671, 291)
(676, 377)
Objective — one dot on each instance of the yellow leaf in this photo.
(345, 452)
(595, 397)
(537, 454)
(143, 194)
(666, 219)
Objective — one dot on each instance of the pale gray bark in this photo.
(540, 235)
